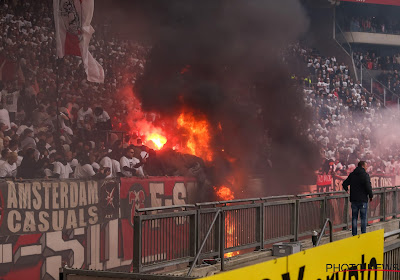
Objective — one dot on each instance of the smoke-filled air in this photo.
(219, 65)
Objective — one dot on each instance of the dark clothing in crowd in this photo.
(28, 169)
(360, 185)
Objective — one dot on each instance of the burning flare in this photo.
(158, 140)
(153, 137)
(198, 135)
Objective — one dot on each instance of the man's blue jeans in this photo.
(362, 208)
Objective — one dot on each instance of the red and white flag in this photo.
(73, 32)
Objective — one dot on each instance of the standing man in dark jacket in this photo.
(360, 190)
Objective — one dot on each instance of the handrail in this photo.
(361, 65)
(239, 200)
(165, 207)
(203, 243)
(228, 201)
(319, 193)
(323, 230)
(342, 33)
(366, 70)
(278, 197)
(215, 203)
(64, 271)
(391, 233)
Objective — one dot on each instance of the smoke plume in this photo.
(223, 59)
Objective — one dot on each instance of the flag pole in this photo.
(58, 61)
(58, 133)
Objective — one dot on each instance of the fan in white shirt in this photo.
(84, 114)
(9, 167)
(61, 170)
(4, 154)
(129, 164)
(84, 171)
(106, 162)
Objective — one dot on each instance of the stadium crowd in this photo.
(35, 108)
(389, 67)
(48, 135)
(373, 24)
(371, 61)
(348, 120)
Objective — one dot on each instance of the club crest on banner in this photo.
(70, 17)
(136, 199)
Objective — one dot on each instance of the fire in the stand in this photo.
(157, 139)
(198, 135)
(154, 137)
(225, 193)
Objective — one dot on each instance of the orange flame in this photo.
(152, 136)
(158, 140)
(198, 140)
(226, 193)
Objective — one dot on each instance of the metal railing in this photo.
(322, 233)
(218, 229)
(84, 274)
(364, 71)
(391, 257)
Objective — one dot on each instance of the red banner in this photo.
(377, 181)
(324, 180)
(142, 193)
(329, 183)
(94, 246)
(382, 2)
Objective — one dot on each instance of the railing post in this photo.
(198, 241)
(384, 96)
(217, 235)
(193, 234)
(260, 226)
(371, 86)
(398, 104)
(222, 241)
(137, 244)
(395, 204)
(296, 220)
(323, 214)
(383, 203)
(346, 212)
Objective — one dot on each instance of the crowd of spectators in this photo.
(348, 120)
(373, 25)
(388, 66)
(371, 61)
(51, 129)
(52, 121)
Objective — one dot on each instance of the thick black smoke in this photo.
(223, 58)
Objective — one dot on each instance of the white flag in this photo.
(73, 32)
